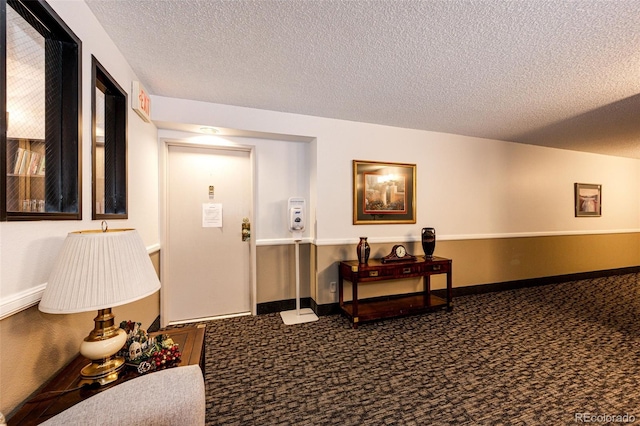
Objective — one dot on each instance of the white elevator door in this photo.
(207, 268)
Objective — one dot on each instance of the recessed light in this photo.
(210, 130)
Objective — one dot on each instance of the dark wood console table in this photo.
(398, 305)
(62, 388)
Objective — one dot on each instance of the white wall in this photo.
(466, 187)
(282, 171)
(28, 249)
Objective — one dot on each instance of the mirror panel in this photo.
(109, 175)
(40, 172)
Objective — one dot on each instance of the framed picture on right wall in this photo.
(588, 199)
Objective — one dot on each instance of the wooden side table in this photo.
(190, 341)
(358, 310)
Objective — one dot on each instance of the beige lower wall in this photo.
(276, 272)
(34, 345)
(475, 262)
(508, 259)
(487, 261)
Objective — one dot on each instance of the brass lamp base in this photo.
(103, 371)
(100, 346)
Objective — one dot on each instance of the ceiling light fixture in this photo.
(209, 130)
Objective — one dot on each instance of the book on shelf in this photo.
(18, 162)
(26, 156)
(41, 166)
(28, 163)
(34, 163)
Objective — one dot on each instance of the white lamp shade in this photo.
(98, 270)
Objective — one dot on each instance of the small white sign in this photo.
(212, 215)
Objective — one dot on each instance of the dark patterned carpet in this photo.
(551, 355)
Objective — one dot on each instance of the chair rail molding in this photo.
(15, 303)
(21, 301)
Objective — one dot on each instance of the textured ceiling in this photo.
(555, 73)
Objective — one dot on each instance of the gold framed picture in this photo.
(588, 199)
(383, 193)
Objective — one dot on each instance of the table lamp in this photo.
(97, 270)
